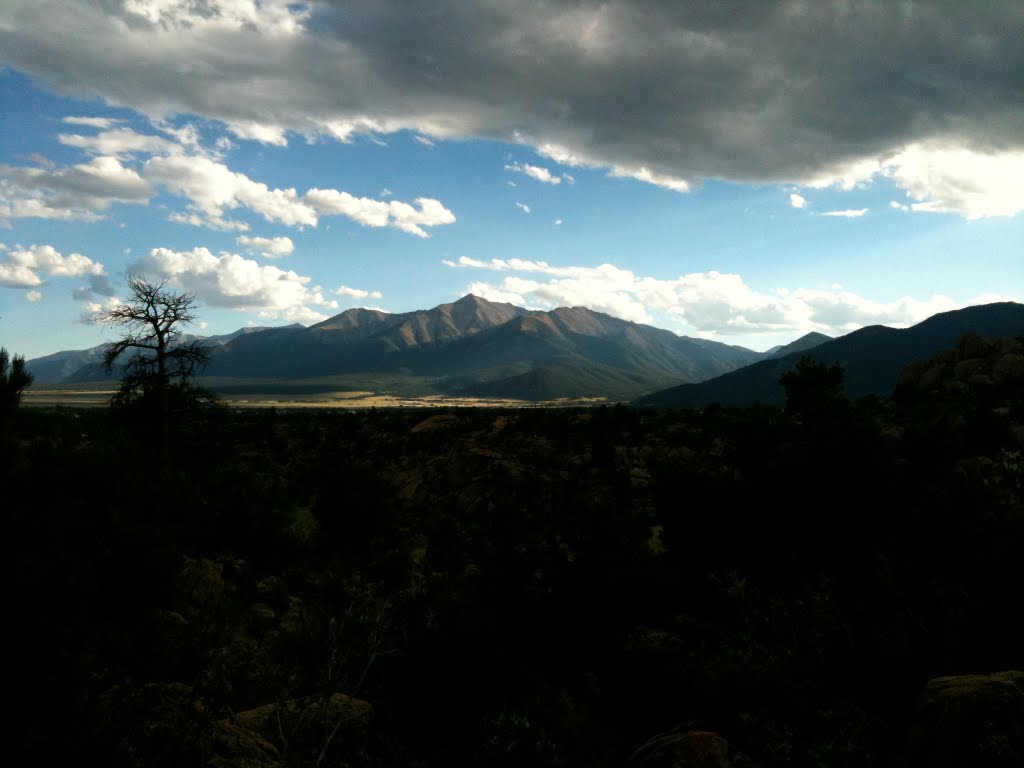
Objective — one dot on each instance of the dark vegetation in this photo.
(14, 378)
(514, 588)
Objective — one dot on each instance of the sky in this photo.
(745, 176)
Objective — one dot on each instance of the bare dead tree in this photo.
(159, 358)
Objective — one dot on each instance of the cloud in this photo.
(534, 172)
(424, 141)
(265, 134)
(22, 267)
(93, 312)
(950, 179)
(381, 213)
(558, 221)
(17, 276)
(92, 122)
(788, 91)
(267, 17)
(268, 247)
(523, 207)
(709, 304)
(850, 213)
(466, 261)
(643, 173)
(75, 192)
(213, 189)
(358, 293)
(47, 259)
(117, 143)
(231, 281)
(797, 201)
(98, 285)
(33, 295)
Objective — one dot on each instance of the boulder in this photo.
(439, 421)
(682, 748)
(931, 378)
(911, 376)
(267, 736)
(1009, 368)
(967, 368)
(970, 720)
(973, 345)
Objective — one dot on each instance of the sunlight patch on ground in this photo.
(347, 399)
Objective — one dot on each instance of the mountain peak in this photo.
(472, 298)
(804, 343)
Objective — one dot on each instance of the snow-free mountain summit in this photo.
(469, 347)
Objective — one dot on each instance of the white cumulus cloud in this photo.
(117, 143)
(213, 189)
(17, 276)
(950, 179)
(534, 172)
(75, 192)
(230, 280)
(23, 267)
(261, 132)
(267, 247)
(709, 304)
(357, 293)
(381, 213)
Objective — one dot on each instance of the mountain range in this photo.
(872, 358)
(85, 364)
(475, 347)
(471, 347)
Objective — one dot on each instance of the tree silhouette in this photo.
(163, 362)
(14, 378)
(812, 386)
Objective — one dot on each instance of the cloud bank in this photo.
(796, 91)
(210, 188)
(711, 304)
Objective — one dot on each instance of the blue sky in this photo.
(741, 178)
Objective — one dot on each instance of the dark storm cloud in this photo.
(784, 91)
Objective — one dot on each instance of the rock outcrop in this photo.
(267, 736)
(977, 363)
(682, 748)
(970, 720)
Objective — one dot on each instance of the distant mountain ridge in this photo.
(82, 364)
(805, 342)
(475, 347)
(478, 347)
(470, 347)
(872, 358)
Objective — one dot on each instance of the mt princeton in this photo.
(481, 348)
(471, 347)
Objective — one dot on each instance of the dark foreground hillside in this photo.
(523, 588)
